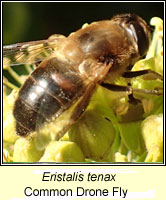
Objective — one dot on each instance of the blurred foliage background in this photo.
(27, 21)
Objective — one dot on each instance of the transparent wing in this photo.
(30, 52)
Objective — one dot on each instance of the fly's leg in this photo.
(135, 104)
(129, 89)
(148, 74)
(119, 88)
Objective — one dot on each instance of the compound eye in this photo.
(141, 37)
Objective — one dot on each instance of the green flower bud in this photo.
(154, 155)
(6, 156)
(9, 147)
(25, 150)
(94, 134)
(9, 133)
(152, 131)
(62, 151)
(131, 136)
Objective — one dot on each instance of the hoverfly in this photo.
(70, 69)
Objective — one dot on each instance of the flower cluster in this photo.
(111, 129)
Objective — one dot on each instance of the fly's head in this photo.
(136, 29)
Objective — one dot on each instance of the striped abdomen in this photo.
(49, 90)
